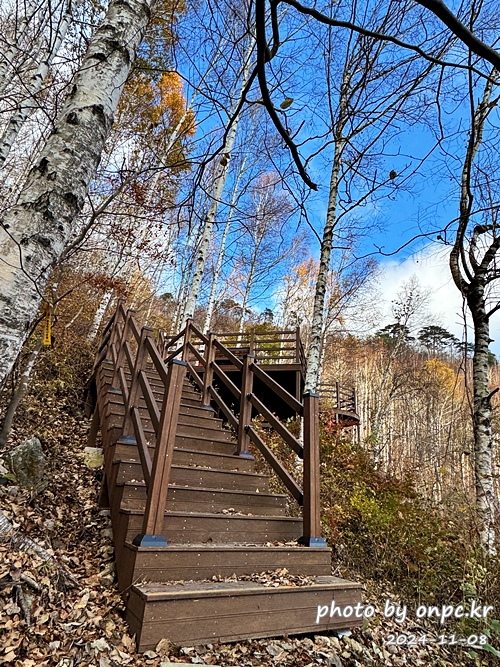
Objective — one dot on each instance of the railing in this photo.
(268, 347)
(341, 399)
(133, 353)
(204, 358)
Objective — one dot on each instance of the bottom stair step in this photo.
(199, 613)
(203, 562)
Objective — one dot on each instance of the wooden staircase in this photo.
(188, 509)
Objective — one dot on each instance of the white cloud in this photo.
(431, 268)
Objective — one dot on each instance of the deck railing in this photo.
(268, 347)
(338, 397)
(202, 358)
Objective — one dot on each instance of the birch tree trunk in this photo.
(33, 87)
(100, 314)
(7, 59)
(35, 231)
(483, 440)
(222, 252)
(18, 394)
(218, 188)
(473, 268)
(316, 334)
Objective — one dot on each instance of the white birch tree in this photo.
(34, 232)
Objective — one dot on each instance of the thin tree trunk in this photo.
(219, 183)
(222, 252)
(33, 87)
(314, 352)
(35, 231)
(100, 314)
(483, 440)
(248, 287)
(7, 59)
(19, 394)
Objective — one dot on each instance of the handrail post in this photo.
(135, 385)
(252, 343)
(311, 510)
(245, 418)
(209, 371)
(297, 345)
(187, 339)
(337, 394)
(154, 513)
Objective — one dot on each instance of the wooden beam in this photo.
(311, 510)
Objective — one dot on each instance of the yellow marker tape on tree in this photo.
(47, 325)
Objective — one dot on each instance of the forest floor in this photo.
(84, 625)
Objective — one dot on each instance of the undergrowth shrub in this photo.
(381, 528)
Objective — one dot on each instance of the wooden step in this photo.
(214, 445)
(128, 471)
(191, 457)
(198, 499)
(201, 528)
(185, 430)
(199, 613)
(192, 415)
(204, 562)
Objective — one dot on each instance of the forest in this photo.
(201, 207)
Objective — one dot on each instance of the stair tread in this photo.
(257, 494)
(213, 546)
(221, 471)
(160, 591)
(205, 515)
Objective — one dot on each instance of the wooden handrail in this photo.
(176, 338)
(245, 419)
(229, 415)
(142, 446)
(229, 383)
(151, 405)
(278, 426)
(227, 353)
(135, 387)
(277, 388)
(311, 512)
(198, 333)
(194, 351)
(282, 473)
(154, 514)
(174, 354)
(209, 371)
(157, 360)
(194, 375)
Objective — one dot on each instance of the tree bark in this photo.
(314, 352)
(33, 87)
(18, 394)
(16, 46)
(483, 440)
(35, 231)
(219, 183)
(100, 314)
